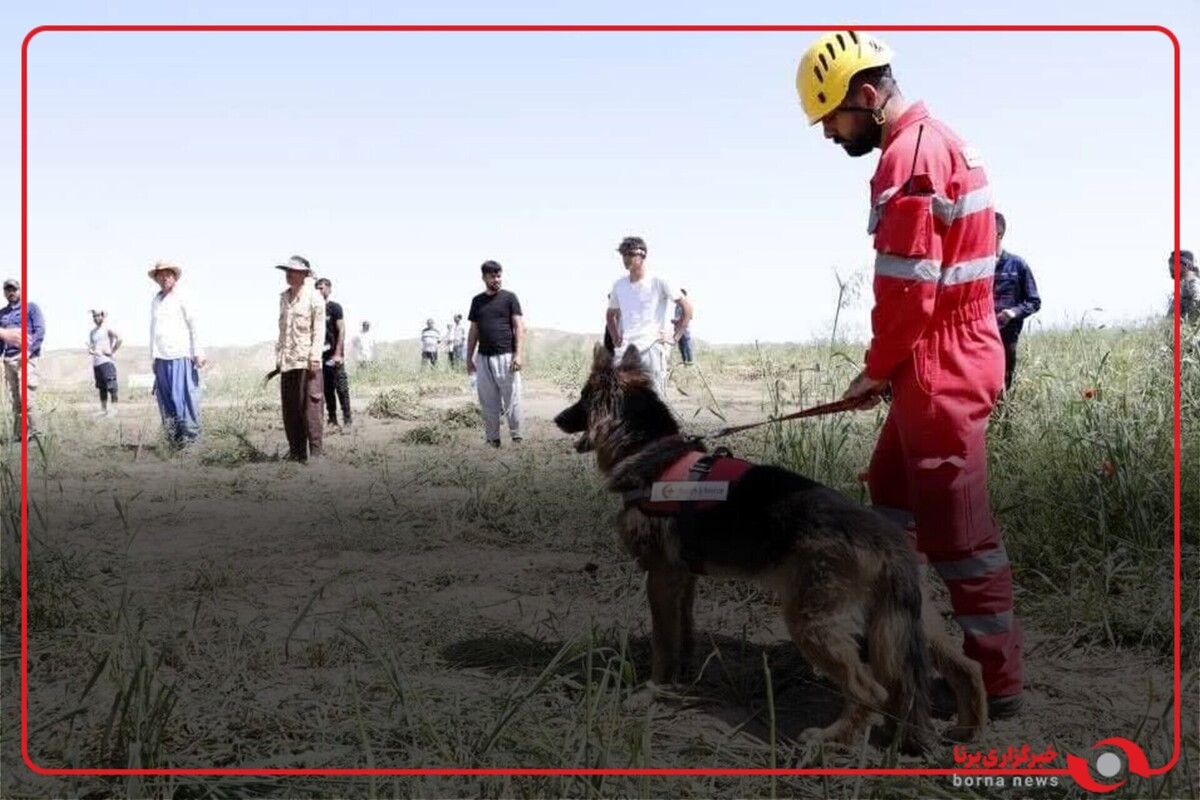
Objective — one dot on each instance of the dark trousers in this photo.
(301, 397)
(1010, 360)
(106, 382)
(337, 390)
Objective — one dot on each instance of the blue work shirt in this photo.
(10, 317)
(1014, 287)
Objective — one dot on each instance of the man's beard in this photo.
(863, 143)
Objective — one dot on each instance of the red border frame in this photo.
(586, 29)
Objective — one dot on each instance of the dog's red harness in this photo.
(696, 482)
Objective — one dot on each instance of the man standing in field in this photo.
(637, 313)
(430, 339)
(178, 356)
(102, 343)
(1016, 297)
(934, 340)
(333, 358)
(13, 317)
(364, 346)
(1189, 285)
(298, 353)
(498, 328)
(460, 340)
(684, 337)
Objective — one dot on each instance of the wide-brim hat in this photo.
(295, 264)
(162, 266)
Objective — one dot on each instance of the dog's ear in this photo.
(631, 361)
(601, 358)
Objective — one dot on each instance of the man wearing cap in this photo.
(178, 355)
(638, 313)
(934, 340)
(498, 328)
(298, 359)
(102, 343)
(333, 364)
(12, 317)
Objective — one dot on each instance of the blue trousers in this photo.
(177, 389)
(685, 348)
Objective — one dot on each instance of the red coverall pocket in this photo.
(906, 227)
(926, 365)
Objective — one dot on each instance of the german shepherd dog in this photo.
(847, 578)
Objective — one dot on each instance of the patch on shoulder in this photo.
(972, 156)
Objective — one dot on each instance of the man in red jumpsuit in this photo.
(934, 339)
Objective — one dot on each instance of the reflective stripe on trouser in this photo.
(499, 394)
(931, 458)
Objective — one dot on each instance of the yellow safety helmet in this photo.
(823, 77)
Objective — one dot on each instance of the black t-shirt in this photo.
(493, 314)
(333, 313)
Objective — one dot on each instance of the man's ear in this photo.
(867, 96)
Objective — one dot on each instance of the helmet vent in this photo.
(853, 36)
(820, 97)
(817, 72)
(829, 47)
(841, 42)
(824, 63)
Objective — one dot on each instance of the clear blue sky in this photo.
(398, 162)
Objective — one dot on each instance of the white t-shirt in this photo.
(429, 340)
(645, 309)
(100, 343)
(363, 345)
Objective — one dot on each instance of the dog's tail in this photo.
(899, 658)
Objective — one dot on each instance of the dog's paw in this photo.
(640, 701)
(962, 733)
(835, 734)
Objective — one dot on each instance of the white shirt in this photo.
(429, 340)
(173, 327)
(644, 307)
(100, 343)
(363, 345)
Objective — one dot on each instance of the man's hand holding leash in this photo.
(869, 390)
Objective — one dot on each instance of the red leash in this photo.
(849, 404)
